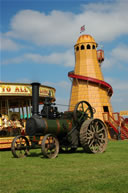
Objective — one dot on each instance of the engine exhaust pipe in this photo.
(35, 98)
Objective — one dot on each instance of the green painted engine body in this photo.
(59, 127)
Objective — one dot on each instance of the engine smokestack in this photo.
(35, 98)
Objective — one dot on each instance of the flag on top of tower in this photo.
(82, 28)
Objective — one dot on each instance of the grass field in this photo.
(68, 173)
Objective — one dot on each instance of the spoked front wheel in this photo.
(50, 146)
(20, 146)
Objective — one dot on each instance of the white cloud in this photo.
(121, 53)
(42, 29)
(8, 44)
(107, 21)
(65, 59)
(117, 57)
(15, 60)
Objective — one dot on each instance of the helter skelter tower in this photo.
(87, 80)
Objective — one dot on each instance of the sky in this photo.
(37, 39)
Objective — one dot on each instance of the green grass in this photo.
(68, 173)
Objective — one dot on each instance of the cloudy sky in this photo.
(37, 39)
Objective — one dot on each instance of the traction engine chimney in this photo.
(35, 98)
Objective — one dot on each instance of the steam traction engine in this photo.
(61, 131)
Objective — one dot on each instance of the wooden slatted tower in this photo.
(87, 79)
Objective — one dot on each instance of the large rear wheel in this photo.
(93, 136)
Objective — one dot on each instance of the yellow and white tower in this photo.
(87, 80)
